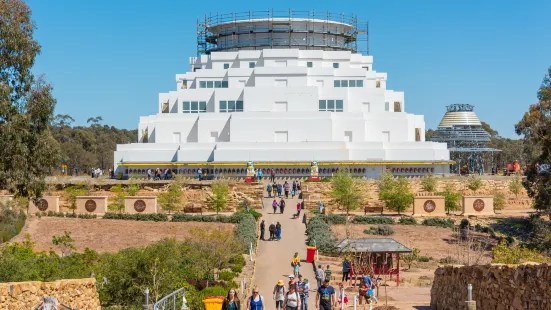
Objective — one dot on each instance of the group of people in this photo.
(274, 229)
(159, 174)
(278, 189)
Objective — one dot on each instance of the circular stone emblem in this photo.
(478, 205)
(429, 206)
(139, 205)
(90, 205)
(42, 205)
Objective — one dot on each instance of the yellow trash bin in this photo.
(213, 302)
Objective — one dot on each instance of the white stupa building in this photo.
(282, 93)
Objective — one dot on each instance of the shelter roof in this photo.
(374, 245)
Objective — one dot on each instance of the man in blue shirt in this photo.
(326, 297)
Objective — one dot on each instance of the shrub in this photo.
(382, 230)
(236, 263)
(213, 291)
(464, 224)
(423, 259)
(428, 183)
(71, 215)
(156, 217)
(504, 254)
(226, 275)
(246, 231)
(448, 260)
(87, 216)
(407, 221)
(335, 219)
(500, 201)
(372, 220)
(254, 213)
(446, 223)
(319, 234)
(474, 182)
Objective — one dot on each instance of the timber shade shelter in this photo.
(380, 257)
(373, 245)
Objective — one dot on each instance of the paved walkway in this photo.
(274, 257)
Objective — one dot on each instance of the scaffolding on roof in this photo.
(268, 29)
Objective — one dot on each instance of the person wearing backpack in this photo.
(279, 294)
(292, 299)
(328, 273)
(319, 275)
(255, 302)
(269, 190)
(272, 230)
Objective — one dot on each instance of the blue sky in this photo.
(112, 58)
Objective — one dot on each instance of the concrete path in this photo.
(274, 257)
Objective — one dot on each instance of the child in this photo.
(342, 294)
(328, 273)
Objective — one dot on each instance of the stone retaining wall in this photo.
(78, 293)
(496, 286)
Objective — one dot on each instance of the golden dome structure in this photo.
(467, 141)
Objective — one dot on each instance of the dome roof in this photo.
(459, 115)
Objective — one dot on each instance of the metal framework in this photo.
(466, 139)
(173, 301)
(267, 29)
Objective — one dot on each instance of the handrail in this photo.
(169, 299)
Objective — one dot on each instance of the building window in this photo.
(352, 83)
(226, 66)
(224, 84)
(337, 83)
(251, 64)
(239, 106)
(387, 106)
(344, 83)
(309, 64)
(378, 84)
(217, 84)
(231, 106)
(210, 84)
(335, 65)
(202, 84)
(339, 105)
(322, 106)
(331, 105)
(359, 83)
(194, 106)
(397, 106)
(417, 134)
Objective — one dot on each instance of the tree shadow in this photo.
(422, 307)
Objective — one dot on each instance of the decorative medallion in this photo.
(478, 205)
(139, 205)
(42, 205)
(429, 206)
(90, 205)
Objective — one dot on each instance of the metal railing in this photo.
(173, 301)
(50, 304)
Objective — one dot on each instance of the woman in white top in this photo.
(292, 299)
(279, 294)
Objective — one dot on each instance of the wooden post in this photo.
(398, 269)
(471, 305)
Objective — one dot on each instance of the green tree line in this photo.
(86, 147)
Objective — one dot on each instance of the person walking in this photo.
(274, 205)
(269, 190)
(304, 293)
(282, 205)
(274, 188)
(279, 189)
(255, 302)
(328, 272)
(345, 269)
(299, 186)
(231, 302)
(293, 193)
(295, 262)
(200, 174)
(279, 294)
(286, 186)
(326, 297)
(278, 231)
(299, 207)
(272, 230)
(294, 185)
(272, 176)
(148, 174)
(322, 207)
(292, 299)
(262, 227)
(320, 274)
(260, 174)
